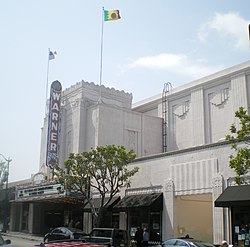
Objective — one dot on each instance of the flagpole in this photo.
(47, 83)
(249, 36)
(100, 82)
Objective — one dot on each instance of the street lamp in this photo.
(5, 223)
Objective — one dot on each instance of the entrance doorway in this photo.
(241, 225)
(54, 219)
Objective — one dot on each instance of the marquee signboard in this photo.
(52, 157)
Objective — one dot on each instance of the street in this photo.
(20, 242)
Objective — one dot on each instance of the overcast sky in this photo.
(154, 42)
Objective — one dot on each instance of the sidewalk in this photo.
(23, 236)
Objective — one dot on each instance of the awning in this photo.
(152, 201)
(97, 202)
(234, 196)
(55, 198)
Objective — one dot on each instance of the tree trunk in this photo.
(98, 220)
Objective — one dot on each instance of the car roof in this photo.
(72, 229)
(186, 239)
(191, 240)
(106, 228)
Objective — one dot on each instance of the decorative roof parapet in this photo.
(106, 92)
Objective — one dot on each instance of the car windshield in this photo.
(101, 233)
(75, 230)
(57, 230)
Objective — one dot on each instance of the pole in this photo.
(101, 54)
(47, 83)
(249, 35)
(5, 222)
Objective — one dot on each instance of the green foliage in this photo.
(103, 169)
(241, 161)
(3, 173)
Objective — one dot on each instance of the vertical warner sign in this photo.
(54, 119)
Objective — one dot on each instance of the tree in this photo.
(241, 161)
(3, 173)
(103, 169)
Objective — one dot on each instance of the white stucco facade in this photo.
(88, 121)
(199, 116)
(193, 172)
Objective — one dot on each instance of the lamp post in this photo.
(5, 223)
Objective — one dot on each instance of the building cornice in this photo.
(186, 150)
(204, 82)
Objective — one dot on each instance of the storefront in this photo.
(144, 210)
(109, 218)
(237, 199)
(38, 208)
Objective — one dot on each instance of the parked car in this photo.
(67, 243)
(4, 242)
(112, 237)
(185, 242)
(61, 233)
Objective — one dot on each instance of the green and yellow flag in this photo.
(111, 15)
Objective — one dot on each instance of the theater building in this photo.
(179, 139)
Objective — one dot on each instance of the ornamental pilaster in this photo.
(218, 225)
(168, 209)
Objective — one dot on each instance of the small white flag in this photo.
(52, 55)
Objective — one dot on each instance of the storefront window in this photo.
(115, 220)
(148, 220)
(25, 216)
(241, 226)
(155, 226)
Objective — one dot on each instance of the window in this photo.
(170, 242)
(180, 243)
(57, 230)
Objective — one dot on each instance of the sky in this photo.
(154, 42)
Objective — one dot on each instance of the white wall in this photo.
(192, 172)
(194, 216)
(202, 111)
